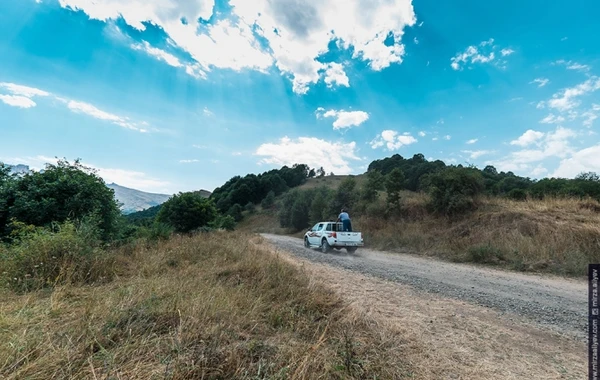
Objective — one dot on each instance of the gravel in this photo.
(550, 302)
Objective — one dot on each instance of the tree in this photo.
(394, 184)
(375, 182)
(269, 200)
(311, 173)
(186, 212)
(236, 212)
(65, 191)
(318, 206)
(344, 196)
(321, 172)
(455, 190)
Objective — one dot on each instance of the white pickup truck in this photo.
(328, 235)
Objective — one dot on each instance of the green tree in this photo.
(269, 200)
(455, 190)
(236, 212)
(186, 212)
(344, 196)
(375, 182)
(394, 183)
(7, 197)
(319, 205)
(65, 191)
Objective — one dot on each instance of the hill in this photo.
(132, 200)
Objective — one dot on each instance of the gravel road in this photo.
(547, 301)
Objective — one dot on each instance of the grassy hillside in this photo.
(557, 235)
(212, 306)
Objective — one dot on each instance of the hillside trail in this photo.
(459, 321)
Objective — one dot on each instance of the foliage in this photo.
(319, 205)
(269, 200)
(454, 190)
(144, 217)
(394, 183)
(187, 211)
(63, 254)
(517, 194)
(62, 191)
(227, 222)
(254, 188)
(375, 183)
(345, 196)
(250, 208)
(235, 212)
(414, 168)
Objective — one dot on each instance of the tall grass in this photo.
(211, 306)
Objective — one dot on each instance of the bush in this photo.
(455, 190)
(517, 194)
(155, 232)
(269, 200)
(45, 258)
(227, 222)
(187, 211)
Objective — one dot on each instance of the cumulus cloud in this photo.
(475, 154)
(392, 140)
(343, 119)
(571, 65)
(472, 141)
(333, 156)
(529, 137)
(584, 160)
(591, 115)
(485, 52)
(296, 32)
(541, 82)
(554, 144)
(335, 74)
(422, 134)
(552, 119)
(569, 98)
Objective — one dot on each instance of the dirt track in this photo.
(520, 326)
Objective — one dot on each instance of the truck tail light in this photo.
(334, 235)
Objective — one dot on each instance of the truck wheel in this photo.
(325, 247)
(306, 243)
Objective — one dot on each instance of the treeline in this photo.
(452, 190)
(241, 193)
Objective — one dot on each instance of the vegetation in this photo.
(193, 307)
(187, 212)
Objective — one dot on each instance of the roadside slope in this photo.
(445, 334)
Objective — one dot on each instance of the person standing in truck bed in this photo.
(345, 219)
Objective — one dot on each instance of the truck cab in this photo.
(330, 235)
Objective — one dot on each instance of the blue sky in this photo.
(177, 95)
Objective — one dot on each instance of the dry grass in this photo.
(330, 182)
(212, 306)
(553, 235)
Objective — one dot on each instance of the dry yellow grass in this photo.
(552, 235)
(212, 306)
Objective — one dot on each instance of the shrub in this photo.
(455, 190)
(227, 223)
(269, 200)
(517, 194)
(45, 258)
(187, 211)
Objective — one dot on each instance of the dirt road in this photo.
(474, 322)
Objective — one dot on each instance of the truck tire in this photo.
(351, 249)
(306, 243)
(325, 247)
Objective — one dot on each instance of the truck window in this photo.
(320, 227)
(329, 227)
(315, 227)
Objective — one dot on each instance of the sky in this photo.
(179, 95)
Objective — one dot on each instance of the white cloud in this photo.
(552, 119)
(335, 74)
(541, 82)
(191, 69)
(570, 65)
(591, 115)
(472, 141)
(485, 52)
(93, 111)
(584, 160)
(392, 140)
(529, 137)
(333, 156)
(416, 41)
(506, 52)
(422, 134)
(17, 101)
(20, 90)
(343, 119)
(552, 144)
(207, 112)
(568, 98)
(447, 137)
(539, 171)
(188, 161)
(236, 153)
(475, 154)
(297, 31)
(435, 139)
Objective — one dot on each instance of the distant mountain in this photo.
(135, 200)
(18, 169)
